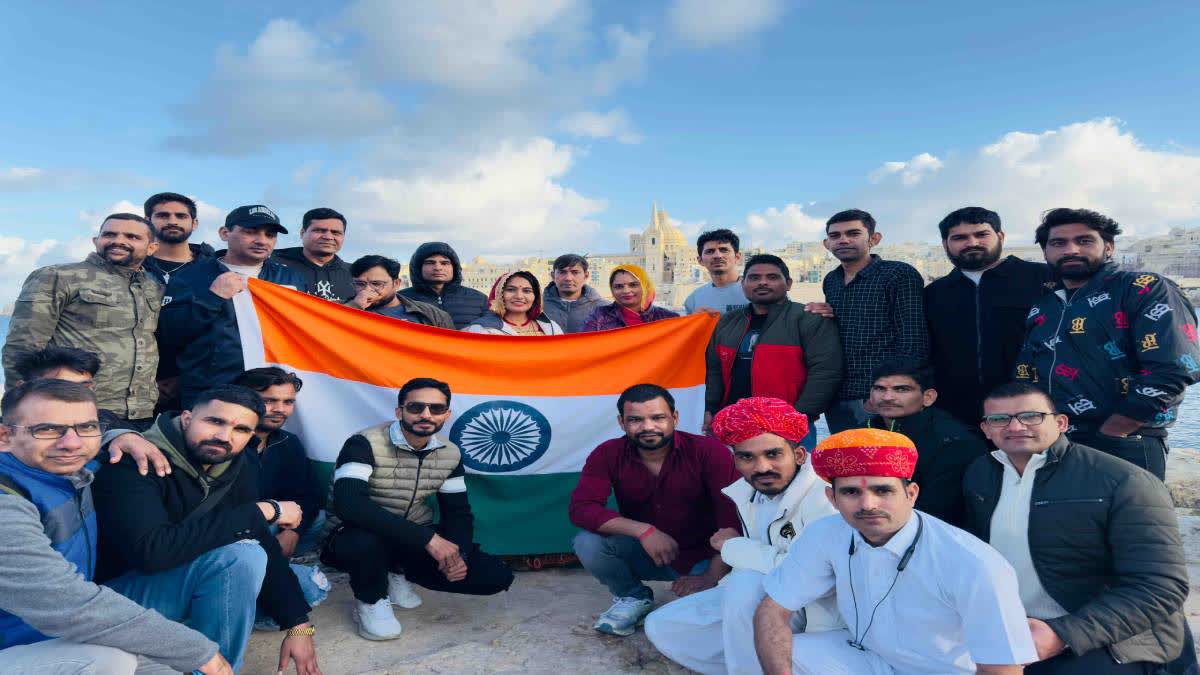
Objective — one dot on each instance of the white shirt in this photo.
(954, 605)
(1010, 534)
(765, 510)
(245, 270)
(973, 275)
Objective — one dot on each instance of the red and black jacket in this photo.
(798, 358)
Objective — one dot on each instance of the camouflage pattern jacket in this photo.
(1125, 343)
(105, 309)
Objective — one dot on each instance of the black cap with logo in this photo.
(254, 215)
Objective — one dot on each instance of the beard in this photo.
(270, 423)
(1085, 271)
(653, 441)
(423, 432)
(383, 302)
(127, 261)
(210, 451)
(976, 258)
(172, 235)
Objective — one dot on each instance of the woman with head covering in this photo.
(515, 308)
(633, 298)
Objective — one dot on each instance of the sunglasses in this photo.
(415, 408)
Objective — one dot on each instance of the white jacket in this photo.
(548, 326)
(803, 503)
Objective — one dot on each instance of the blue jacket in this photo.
(200, 327)
(65, 506)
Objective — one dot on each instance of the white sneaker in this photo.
(401, 593)
(624, 616)
(376, 622)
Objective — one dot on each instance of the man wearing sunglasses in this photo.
(53, 617)
(376, 290)
(383, 485)
(1094, 540)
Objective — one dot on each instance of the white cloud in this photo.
(211, 218)
(509, 199)
(612, 124)
(774, 227)
(22, 179)
(1096, 164)
(20, 256)
(710, 23)
(289, 85)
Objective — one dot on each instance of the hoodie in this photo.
(331, 281)
(463, 304)
(571, 314)
(144, 522)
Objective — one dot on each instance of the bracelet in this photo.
(642, 536)
(278, 512)
(302, 631)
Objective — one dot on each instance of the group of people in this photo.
(994, 477)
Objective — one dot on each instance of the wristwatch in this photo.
(278, 511)
(302, 631)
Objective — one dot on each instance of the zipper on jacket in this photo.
(1054, 358)
(87, 538)
(133, 334)
(978, 336)
(1080, 500)
(416, 484)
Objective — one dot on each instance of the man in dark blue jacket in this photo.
(198, 322)
(437, 279)
(1114, 349)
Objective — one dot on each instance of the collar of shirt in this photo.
(899, 542)
(1035, 462)
(396, 434)
(868, 270)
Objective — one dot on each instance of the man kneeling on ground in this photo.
(713, 631)
(668, 487)
(52, 617)
(382, 483)
(196, 545)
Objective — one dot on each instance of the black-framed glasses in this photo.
(377, 285)
(416, 408)
(1029, 418)
(51, 432)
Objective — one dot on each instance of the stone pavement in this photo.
(544, 624)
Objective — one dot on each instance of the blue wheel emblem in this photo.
(501, 436)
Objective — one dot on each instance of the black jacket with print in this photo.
(1124, 343)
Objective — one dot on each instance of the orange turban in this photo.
(757, 415)
(865, 452)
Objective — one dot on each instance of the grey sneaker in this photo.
(376, 621)
(401, 593)
(624, 616)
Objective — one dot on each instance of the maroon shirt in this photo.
(685, 500)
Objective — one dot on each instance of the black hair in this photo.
(368, 261)
(232, 393)
(767, 259)
(641, 393)
(566, 260)
(537, 287)
(907, 367)
(851, 215)
(721, 236)
(32, 365)
(261, 379)
(133, 217)
(321, 214)
(165, 197)
(970, 215)
(422, 383)
(1107, 227)
(55, 390)
(1014, 389)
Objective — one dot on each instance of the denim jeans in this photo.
(214, 594)
(621, 564)
(843, 415)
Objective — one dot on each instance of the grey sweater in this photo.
(40, 586)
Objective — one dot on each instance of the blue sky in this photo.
(540, 126)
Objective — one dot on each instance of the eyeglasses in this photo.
(49, 432)
(1029, 418)
(377, 285)
(416, 408)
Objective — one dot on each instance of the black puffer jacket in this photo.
(331, 281)
(463, 304)
(1105, 542)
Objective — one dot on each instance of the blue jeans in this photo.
(214, 594)
(621, 564)
(843, 415)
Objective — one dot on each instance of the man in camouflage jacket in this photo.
(106, 305)
(1115, 349)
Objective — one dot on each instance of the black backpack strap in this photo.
(9, 486)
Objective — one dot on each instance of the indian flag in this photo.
(526, 411)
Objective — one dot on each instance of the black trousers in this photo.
(1095, 662)
(368, 557)
(1148, 452)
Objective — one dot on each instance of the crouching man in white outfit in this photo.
(713, 631)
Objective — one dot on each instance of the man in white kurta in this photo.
(712, 632)
(917, 595)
